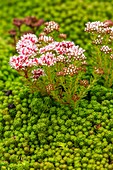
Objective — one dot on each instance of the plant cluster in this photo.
(58, 68)
(53, 67)
(102, 40)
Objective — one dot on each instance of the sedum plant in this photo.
(52, 65)
(102, 56)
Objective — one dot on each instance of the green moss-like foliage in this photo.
(37, 133)
(71, 15)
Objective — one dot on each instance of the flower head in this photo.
(21, 62)
(30, 20)
(67, 48)
(106, 49)
(99, 27)
(17, 62)
(99, 40)
(48, 48)
(37, 73)
(27, 45)
(51, 26)
(47, 59)
(17, 22)
(94, 26)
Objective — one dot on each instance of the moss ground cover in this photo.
(39, 134)
(36, 132)
(70, 15)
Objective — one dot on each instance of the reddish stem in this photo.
(26, 74)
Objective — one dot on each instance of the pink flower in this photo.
(27, 45)
(77, 53)
(71, 50)
(47, 59)
(98, 40)
(67, 48)
(47, 48)
(37, 73)
(99, 27)
(60, 58)
(59, 47)
(32, 37)
(17, 62)
(21, 62)
(31, 62)
(94, 26)
(63, 47)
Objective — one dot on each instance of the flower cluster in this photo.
(51, 26)
(47, 59)
(94, 26)
(99, 71)
(65, 48)
(27, 45)
(99, 27)
(84, 83)
(102, 38)
(103, 34)
(98, 41)
(70, 70)
(37, 73)
(21, 62)
(54, 64)
(49, 88)
(106, 49)
(27, 48)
